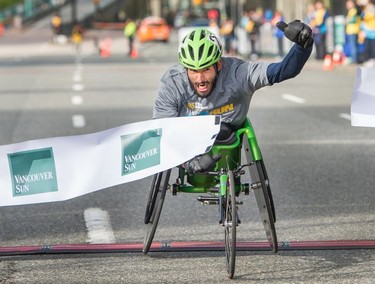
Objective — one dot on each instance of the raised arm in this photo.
(297, 56)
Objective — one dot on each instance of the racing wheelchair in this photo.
(221, 186)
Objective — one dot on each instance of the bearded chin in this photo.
(212, 83)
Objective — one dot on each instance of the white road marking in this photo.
(345, 116)
(77, 100)
(78, 121)
(293, 98)
(77, 77)
(99, 228)
(78, 87)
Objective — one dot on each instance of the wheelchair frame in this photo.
(223, 185)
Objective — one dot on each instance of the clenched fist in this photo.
(297, 32)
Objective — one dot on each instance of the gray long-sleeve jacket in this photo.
(236, 83)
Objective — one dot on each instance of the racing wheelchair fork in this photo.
(219, 193)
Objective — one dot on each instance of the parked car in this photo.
(153, 29)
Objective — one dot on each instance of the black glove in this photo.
(297, 32)
(202, 163)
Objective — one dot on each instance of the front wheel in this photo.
(155, 202)
(230, 225)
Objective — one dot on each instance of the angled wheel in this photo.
(155, 185)
(230, 225)
(155, 202)
(265, 204)
(269, 191)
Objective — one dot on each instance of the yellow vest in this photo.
(56, 21)
(319, 17)
(77, 38)
(369, 20)
(353, 22)
(130, 29)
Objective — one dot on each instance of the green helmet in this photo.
(199, 49)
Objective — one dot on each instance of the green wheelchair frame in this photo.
(222, 186)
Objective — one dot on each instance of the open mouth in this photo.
(202, 87)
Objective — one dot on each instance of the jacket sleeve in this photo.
(290, 66)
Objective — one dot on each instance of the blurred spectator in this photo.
(253, 31)
(353, 23)
(319, 27)
(17, 22)
(213, 23)
(244, 20)
(227, 32)
(1, 29)
(77, 36)
(130, 30)
(213, 15)
(279, 35)
(56, 24)
(368, 29)
(310, 15)
(268, 15)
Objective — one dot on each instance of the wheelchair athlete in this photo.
(206, 83)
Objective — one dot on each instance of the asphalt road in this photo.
(319, 167)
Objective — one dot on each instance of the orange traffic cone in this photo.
(105, 47)
(134, 53)
(337, 57)
(327, 63)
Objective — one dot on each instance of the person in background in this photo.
(227, 32)
(77, 36)
(253, 31)
(368, 31)
(320, 30)
(56, 24)
(130, 30)
(279, 35)
(1, 28)
(310, 15)
(353, 24)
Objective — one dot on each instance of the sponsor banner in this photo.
(62, 168)
(363, 99)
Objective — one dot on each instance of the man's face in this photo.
(203, 80)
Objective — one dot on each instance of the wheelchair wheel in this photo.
(265, 204)
(152, 196)
(155, 202)
(269, 191)
(230, 225)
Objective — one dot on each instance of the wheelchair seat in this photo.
(226, 135)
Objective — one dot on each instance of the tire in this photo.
(269, 192)
(266, 208)
(155, 185)
(230, 225)
(155, 202)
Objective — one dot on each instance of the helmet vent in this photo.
(191, 52)
(191, 37)
(201, 49)
(203, 35)
(210, 50)
(183, 53)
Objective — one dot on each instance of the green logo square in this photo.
(33, 172)
(140, 150)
